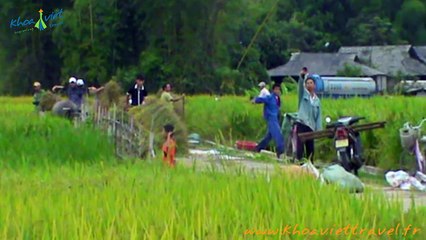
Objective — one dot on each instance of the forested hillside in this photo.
(199, 46)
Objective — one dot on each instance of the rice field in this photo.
(27, 139)
(58, 182)
(232, 118)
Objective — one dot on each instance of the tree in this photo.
(411, 21)
(299, 35)
(372, 30)
(28, 56)
(195, 45)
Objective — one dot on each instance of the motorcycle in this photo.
(347, 143)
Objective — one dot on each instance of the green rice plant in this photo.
(59, 182)
(150, 201)
(27, 138)
(208, 116)
(238, 119)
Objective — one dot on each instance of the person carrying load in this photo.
(38, 94)
(166, 95)
(74, 92)
(270, 114)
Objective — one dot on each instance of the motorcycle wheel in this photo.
(357, 162)
(344, 161)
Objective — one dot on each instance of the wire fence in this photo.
(129, 139)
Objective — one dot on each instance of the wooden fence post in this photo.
(127, 135)
(183, 108)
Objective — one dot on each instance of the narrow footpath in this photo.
(220, 162)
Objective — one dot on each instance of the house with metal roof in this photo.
(378, 62)
(325, 64)
(420, 53)
(393, 60)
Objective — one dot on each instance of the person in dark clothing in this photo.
(307, 147)
(137, 94)
(270, 115)
(74, 92)
(279, 107)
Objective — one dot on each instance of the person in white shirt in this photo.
(263, 90)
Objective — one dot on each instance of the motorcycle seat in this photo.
(350, 120)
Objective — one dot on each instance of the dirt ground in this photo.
(203, 162)
(406, 197)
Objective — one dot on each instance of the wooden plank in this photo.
(315, 135)
(370, 126)
(330, 132)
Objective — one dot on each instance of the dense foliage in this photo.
(199, 46)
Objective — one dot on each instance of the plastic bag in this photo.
(395, 179)
(421, 177)
(309, 167)
(194, 138)
(417, 184)
(338, 175)
(404, 181)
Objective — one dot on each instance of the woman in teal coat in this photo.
(309, 116)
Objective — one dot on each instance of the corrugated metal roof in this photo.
(390, 59)
(420, 52)
(326, 64)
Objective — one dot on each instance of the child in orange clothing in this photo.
(169, 146)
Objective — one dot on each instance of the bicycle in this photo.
(411, 140)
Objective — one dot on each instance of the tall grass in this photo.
(237, 117)
(232, 116)
(229, 118)
(57, 194)
(26, 138)
(148, 201)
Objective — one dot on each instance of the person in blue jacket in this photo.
(270, 113)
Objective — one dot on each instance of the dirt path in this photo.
(408, 198)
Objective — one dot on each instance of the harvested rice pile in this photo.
(111, 94)
(179, 106)
(48, 100)
(154, 115)
(58, 109)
